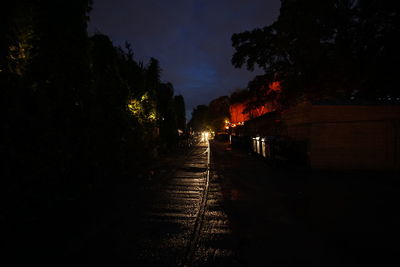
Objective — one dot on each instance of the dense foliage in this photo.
(199, 121)
(211, 117)
(79, 115)
(334, 49)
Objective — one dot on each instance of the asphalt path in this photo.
(216, 206)
(178, 220)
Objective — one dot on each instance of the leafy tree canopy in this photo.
(326, 49)
(199, 120)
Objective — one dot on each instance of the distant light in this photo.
(204, 136)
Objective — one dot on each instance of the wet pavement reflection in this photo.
(180, 222)
(227, 210)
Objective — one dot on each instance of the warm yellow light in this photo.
(135, 106)
(204, 136)
(143, 109)
(152, 116)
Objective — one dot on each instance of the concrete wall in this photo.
(347, 137)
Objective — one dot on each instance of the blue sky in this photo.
(190, 38)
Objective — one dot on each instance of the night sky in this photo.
(190, 38)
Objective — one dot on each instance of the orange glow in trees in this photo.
(237, 115)
(237, 109)
(275, 86)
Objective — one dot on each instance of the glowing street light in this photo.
(204, 136)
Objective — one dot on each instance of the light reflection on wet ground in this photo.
(252, 216)
(192, 238)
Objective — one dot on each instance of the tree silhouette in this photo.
(180, 112)
(326, 49)
(218, 112)
(199, 120)
(79, 117)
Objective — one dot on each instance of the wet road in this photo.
(178, 221)
(233, 210)
(187, 222)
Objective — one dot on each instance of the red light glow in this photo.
(275, 86)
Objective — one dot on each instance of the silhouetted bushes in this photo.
(79, 115)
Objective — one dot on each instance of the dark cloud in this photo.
(191, 39)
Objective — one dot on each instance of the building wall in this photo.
(347, 137)
(353, 145)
